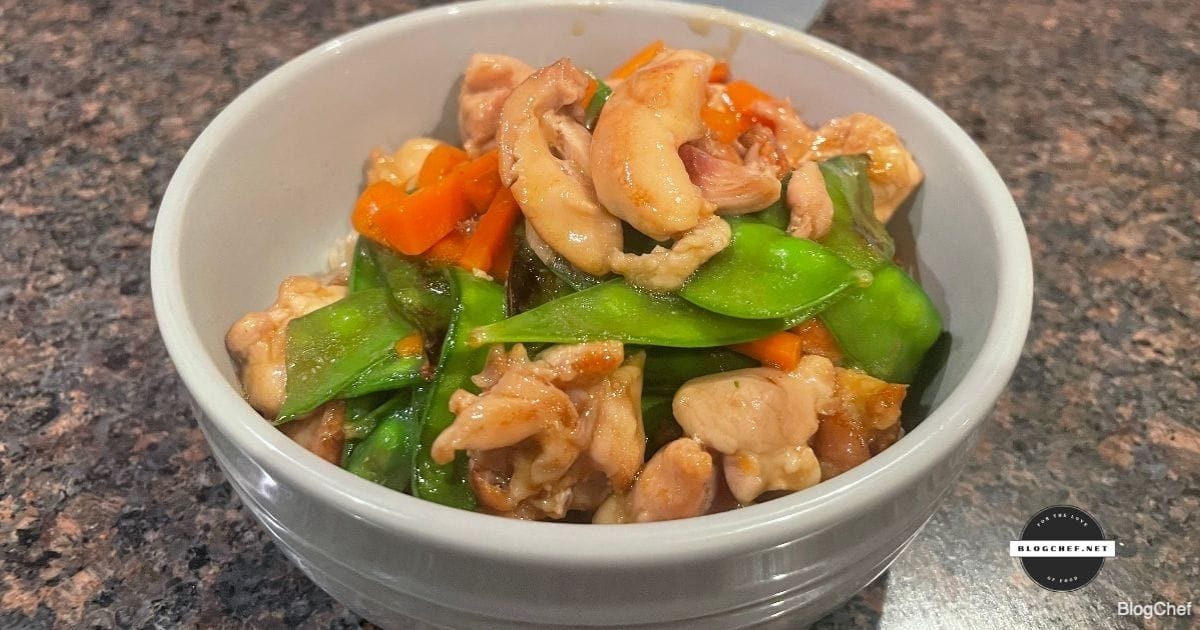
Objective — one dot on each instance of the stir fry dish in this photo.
(651, 296)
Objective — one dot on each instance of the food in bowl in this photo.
(649, 297)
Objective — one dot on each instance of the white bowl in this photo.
(270, 183)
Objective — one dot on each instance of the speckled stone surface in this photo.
(113, 513)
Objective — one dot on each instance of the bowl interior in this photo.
(271, 183)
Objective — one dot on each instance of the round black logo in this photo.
(1062, 548)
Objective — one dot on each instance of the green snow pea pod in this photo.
(364, 273)
(765, 273)
(886, 328)
(419, 292)
(592, 112)
(386, 455)
(614, 310)
(359, 421)
(667, 369)
(329, 347)
(391, 372)
(478, 302)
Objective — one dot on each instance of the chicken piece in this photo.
(554, 193)
(761, 152)
(257, 342)
(893, 172)
(487, 83)
(321, 432)
(864, 422)
(665, 269)
(792, 136)
(733, 188)
(680, 481)
(618, 444)
(635, 163)
(402, 167)
(549, 435)
(809, 203)
(761, 420)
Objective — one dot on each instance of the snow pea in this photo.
(359, 421)
(614, 310)
(667, 369)
(592, 112)
(884, 329)
(364, 273)
(855, 235)
(658, 420)
(329, 347)
(386, 455)
(391, 372)
(418, 291)
(478, 302)
(765, 273)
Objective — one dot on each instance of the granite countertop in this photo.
(113, 513)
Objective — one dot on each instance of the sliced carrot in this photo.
(410, 345)
(449, 250)
(502, 262)
(415, 223)
(744, 95)
(815, 338)
(491, 232)
(481, 179)
(641, 58)
(780, 350)
(439, 163)
(376, 198)
(723, 120)
(720, 73)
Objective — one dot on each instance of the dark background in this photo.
(112, 512)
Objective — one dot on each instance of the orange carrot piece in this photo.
(424, 217)
(815, 338)
(416, 222)
(449, 250)
(409, 345)
(720, 73)
(502, 261)
(640, 59)
(439, 163)
(490, 233)
(744, 95)
(723, 120)
(481, 179)
(375, 199)
(780, 350)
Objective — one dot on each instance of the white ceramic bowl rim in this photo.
(754, 527)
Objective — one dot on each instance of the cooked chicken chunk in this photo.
(487, 82)
(553, 434)
(635, 161)
(665, 269)
(791, 135)
(554, 192)
(321, 431)
(809, 202)
(761, 420)
(401, 168)
(680, 481)
(864, 422)
(732, 187)
(258, 341)
(894, 174)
